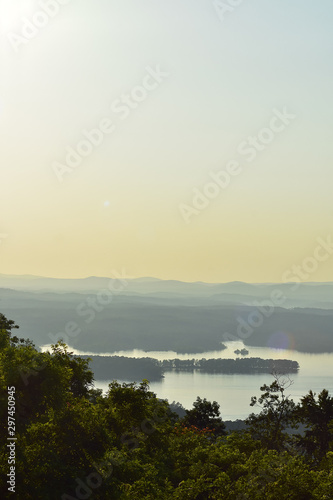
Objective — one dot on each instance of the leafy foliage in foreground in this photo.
(75, 443)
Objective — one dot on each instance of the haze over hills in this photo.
(300, 295)
(152, 314)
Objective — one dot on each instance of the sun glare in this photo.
(12, 15)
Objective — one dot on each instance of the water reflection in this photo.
(233, 392)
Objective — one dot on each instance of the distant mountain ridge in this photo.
(236, 292)
(152, 314)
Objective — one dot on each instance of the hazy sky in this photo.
(184, 91)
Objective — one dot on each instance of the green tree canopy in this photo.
(205, 415)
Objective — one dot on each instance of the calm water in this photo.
(233, 392)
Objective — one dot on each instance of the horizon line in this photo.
(33, 276)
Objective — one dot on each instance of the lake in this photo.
(232, 392)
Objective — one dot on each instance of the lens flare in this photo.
(281, 340)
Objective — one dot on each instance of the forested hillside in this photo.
(112, 323)
(72, 442)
